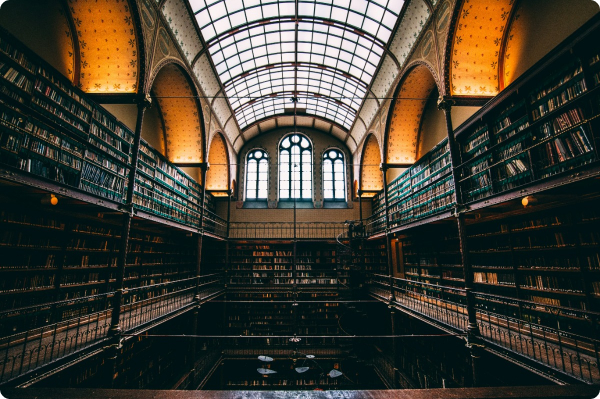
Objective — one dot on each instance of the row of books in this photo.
(64, 101)
(562, 122)
(15, 77)
(56, 100)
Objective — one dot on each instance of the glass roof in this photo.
(325, 53)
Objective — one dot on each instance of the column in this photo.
(473, 333)
(115, 330)
(388, 238)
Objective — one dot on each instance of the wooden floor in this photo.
(570, 392)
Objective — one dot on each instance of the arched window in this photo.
(295, 168)
(334, 175)
(257, 175)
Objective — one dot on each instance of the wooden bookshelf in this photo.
(425, 189)
(155, 257)
(272, 265)
(543, 126)
(49, 128)
(548, 257)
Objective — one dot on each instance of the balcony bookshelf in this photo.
(51, 129)
(542, 126)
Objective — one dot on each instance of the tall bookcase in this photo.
(49, 128)
(270, 264)
(543, 126)
(425, 189)
(547, 257)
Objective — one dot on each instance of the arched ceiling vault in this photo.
(323, 54)
(180, 111)
(476, 47)
(109, 50)
(406, 114)
(371, 177)
(279, 121)
(217, 176)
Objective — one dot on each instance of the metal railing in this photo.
(375, 224)
(85, 322)
(212, 223)
(541, 333)
(285, 230)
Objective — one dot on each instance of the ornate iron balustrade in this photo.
(285, 230)
(375, 224)
(539, 332)
(211, 223)
(36, 335)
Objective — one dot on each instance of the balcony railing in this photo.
(539, 332)
(37, 335)
(285, 230)
(214, 224)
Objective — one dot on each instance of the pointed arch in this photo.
(475, 50)
(371, 178)
(177, 97)
(109, 46)
(217, 177)
(404, 120)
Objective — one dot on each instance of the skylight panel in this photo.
(255, 44)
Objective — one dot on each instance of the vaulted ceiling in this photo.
(322, 53)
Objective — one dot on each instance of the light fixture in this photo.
(528, 200)
(51, 199)
(334, 373)
(264, 371)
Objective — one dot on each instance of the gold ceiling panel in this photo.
(216, 177)
(371, 175)
(476, 47)
(180, 114)
(108, 46)
(405, 123)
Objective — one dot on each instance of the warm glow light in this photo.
(407, 114)
(529, 200)
(180, 115)
(217, 176)
(108, 46)
(476, 47)
(371, 176)
(53, 199)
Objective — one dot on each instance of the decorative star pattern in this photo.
(180, 115)
(371, 178)
(476, 47)
(407, 113)
(216, 177)
(108, 46)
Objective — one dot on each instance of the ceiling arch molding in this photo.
(217, 177)
(109, 39)
(474, 47)
(371, 177)
(177, 97)
(407, 107)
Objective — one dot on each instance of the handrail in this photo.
(561, 338)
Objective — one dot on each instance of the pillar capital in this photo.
(145, 102)
(445, 103)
